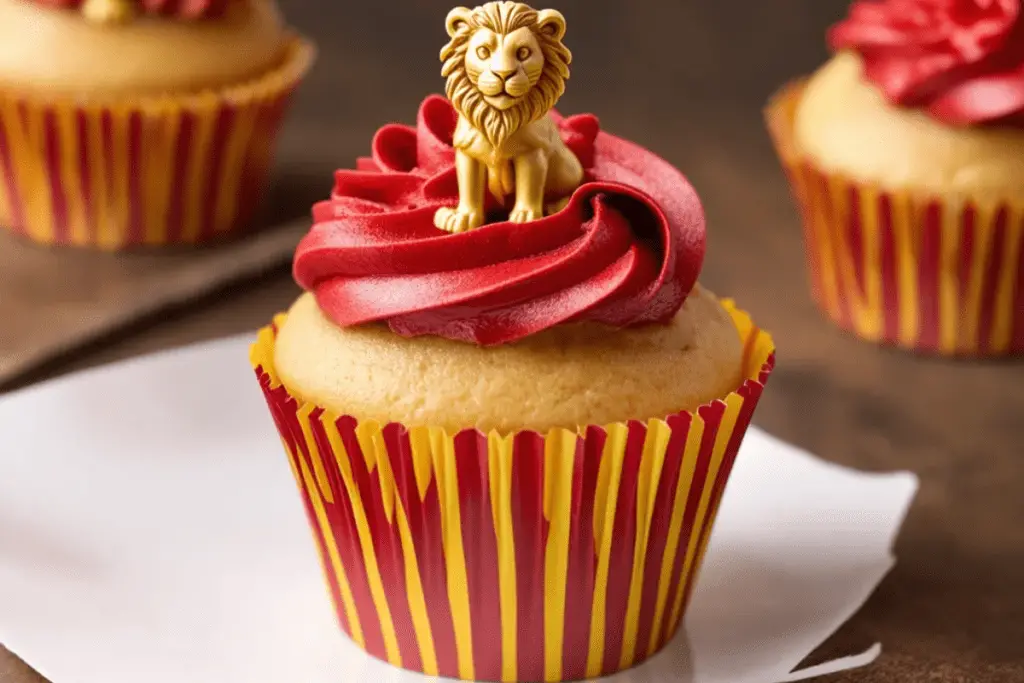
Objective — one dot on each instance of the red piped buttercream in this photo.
(962, 61)
(625, 251)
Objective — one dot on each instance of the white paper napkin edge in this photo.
(836, 665)
(912, 485)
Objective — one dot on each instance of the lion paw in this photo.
(458, 220)
(521, 214)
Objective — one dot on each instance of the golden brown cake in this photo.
(844, 125)
(510, 409)
(906, 156)
(132, 123)
(568, 376)
(62, 52)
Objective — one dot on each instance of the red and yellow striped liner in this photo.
(517, 557)
(169, 170)
(932, 274)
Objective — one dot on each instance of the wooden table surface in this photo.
(688, 80)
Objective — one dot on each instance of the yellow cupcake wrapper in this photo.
(935, 274)
(513, 557)
(148, 171)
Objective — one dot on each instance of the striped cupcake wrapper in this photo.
(517, 557)
(941, 276)
(152, 172)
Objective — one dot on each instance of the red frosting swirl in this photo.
(625, 251)
(962, 61)
(179, 9)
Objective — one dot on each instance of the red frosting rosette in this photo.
(181, 9)
(625, 251)
(962, 61)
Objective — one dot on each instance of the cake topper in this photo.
(122, 11)
(506, 68)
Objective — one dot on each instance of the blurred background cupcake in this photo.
(140, 122)
(906, 156)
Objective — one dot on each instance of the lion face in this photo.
(506, 65)
(504, 68)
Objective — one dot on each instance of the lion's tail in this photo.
(501, 181)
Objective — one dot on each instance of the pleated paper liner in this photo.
(931, 274)
(153, 171)
(518, 557)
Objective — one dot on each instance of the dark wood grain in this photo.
(688, 79)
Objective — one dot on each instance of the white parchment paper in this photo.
(150, 531)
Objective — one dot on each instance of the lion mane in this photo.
(502, 18)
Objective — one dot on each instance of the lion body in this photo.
(537, 143)
(506, 67)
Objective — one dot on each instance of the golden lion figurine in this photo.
(506, 67)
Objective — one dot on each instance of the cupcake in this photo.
(510, 409)
(126, 123)
(906, 156)
(905, 153)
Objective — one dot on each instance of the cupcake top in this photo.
(961, 61)
(501, 266)
(625, 251)
(923, 94)
(582, 225)
(126, 48)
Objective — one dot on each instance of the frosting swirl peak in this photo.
(962, 61)
(626, 250)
